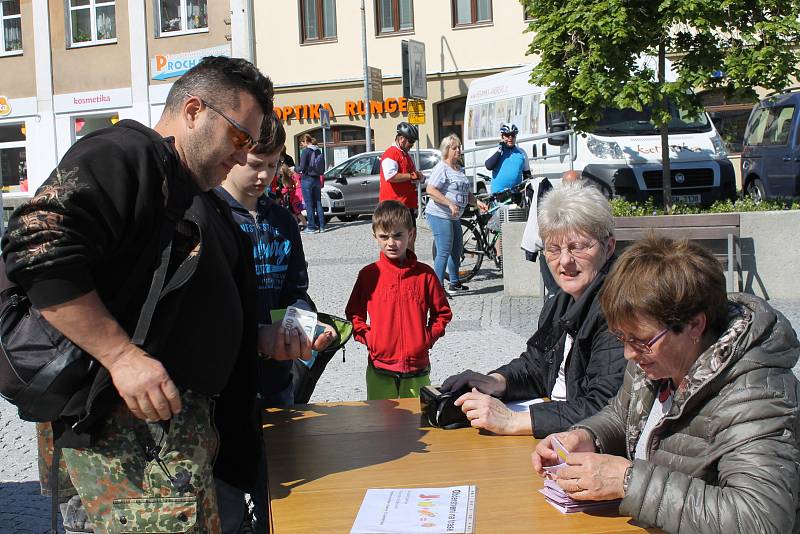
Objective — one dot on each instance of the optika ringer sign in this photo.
(165, 66)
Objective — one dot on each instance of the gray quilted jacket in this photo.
(726, 458)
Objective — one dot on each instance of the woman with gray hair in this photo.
(449, 192)
(572, 361)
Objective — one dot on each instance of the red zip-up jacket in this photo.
(408, 311)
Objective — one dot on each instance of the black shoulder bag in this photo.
(40, 369)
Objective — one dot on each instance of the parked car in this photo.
(358, 178)
(332, 202)
(771, 148)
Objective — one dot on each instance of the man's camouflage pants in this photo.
(147, 477)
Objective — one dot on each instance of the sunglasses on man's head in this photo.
(509, 135)
(240, 136)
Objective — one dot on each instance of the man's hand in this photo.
(279, 343)
(482, 206)
(484, 411)
(493, 384)
(144, 385)
(324, 339)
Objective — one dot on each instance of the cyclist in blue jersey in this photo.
(509, 163)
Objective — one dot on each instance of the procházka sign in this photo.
(165, 66)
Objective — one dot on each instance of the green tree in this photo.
(588, 52)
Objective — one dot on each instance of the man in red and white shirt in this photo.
(399, 175)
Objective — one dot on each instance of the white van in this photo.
(622, 154)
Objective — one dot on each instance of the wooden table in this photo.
(323, 457)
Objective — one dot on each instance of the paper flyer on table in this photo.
(412, 510)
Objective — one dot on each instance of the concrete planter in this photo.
(770, 256)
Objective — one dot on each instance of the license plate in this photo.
(340, 203)
(687, 199)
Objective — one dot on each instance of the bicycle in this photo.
(479, 240)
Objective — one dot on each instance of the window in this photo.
(176, 17)
(11, 27)
(395, 16)
(85, 125)
(92, 22)
(341, 143)
(13, 167)
(318, 20)
(526, 12)
(468, 12)
(770, 127)
(729, 113)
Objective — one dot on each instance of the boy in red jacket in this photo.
(406, 305)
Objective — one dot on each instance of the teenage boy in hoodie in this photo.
(282, 281)
(406, 306)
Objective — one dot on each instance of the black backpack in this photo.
(316, 163)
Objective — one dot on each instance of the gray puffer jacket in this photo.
(726, 458)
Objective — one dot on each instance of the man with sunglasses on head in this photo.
(139, 452)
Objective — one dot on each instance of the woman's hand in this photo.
(574, 441)
(485, 411)
(455, 211)
(589, 476)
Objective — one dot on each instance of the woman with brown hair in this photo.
(702, 437)
(311, 184)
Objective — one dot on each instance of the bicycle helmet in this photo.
(508, 129)
(409, 131)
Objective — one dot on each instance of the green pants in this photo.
(381, 386)
(123, 490)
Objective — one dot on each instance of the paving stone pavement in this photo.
(488, 329)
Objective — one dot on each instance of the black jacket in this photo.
(93, 226)
(593, 372)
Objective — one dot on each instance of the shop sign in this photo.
(17, 107)
(416, 111)
(352, 108)
(165, 66)
(92, 100)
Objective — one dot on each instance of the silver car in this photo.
(358, 179)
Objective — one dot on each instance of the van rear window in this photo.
(770, 126)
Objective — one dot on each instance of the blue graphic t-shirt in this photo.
(280, 262)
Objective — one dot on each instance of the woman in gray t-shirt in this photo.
(449, 191)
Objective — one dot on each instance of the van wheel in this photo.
(347, 218)
(755, 189)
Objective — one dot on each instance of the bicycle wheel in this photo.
(471, 254)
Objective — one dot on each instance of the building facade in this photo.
(70, 67)
(313, 51)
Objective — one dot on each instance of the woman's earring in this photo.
(696, 340)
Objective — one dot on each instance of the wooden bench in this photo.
(718, 232)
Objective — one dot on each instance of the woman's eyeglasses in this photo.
(241, 137)
(637, 344)
(577, 249)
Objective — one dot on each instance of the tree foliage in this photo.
(588, 51)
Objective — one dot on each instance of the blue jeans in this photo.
(449, 242)
(312, 198)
